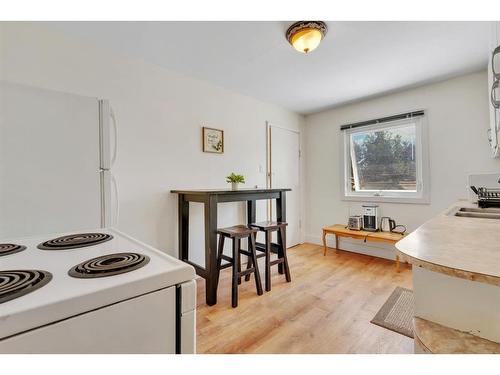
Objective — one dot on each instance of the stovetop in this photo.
(17, 283)
(135, 269)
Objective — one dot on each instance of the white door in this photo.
(284, 161)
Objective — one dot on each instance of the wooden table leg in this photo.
(281, 207)
(397, 263)
(251, 219)
(336, 243)
(211, 280)
(183, 207)
(251, 212)
(281, 216)
(324, 242)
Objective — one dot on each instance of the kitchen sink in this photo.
(479, 213)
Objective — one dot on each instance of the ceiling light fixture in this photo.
(305, 36)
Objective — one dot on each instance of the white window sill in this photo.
(386, 199)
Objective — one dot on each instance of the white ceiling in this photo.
(356, 60)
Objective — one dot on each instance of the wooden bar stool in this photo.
(268, 227)
(237, 233)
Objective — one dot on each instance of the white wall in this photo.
(160, 115)
(457, 112)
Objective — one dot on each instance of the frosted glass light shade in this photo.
(306, 40)
(305, 36)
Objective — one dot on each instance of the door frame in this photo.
(269, 126)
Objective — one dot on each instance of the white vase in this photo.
(234, 186)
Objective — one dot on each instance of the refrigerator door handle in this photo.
(117, 201)
(115, 135)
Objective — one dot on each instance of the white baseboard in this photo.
(377, 249)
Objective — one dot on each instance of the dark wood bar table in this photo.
(210, 199)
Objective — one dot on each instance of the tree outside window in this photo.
(384, 160)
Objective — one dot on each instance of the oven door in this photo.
(144, 324)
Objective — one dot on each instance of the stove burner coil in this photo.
(109, 265)
(75, 241)
(17, 283)
(10, 248)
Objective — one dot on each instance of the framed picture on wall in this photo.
(213, 140)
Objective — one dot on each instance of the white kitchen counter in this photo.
(463, 247)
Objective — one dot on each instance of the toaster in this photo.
(355, 222)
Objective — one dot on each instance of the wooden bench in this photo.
(340, 230)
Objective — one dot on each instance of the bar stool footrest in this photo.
(247, 253)
(246, 272)
(226, 265)
(277, 261)
(262, 247)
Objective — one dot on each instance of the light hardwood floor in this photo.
(326, 308)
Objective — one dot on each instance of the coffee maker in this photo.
(370, 217)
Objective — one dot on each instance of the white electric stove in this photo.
(96, 291)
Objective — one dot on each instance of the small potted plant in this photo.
(235, 179)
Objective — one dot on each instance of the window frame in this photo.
(421, 196)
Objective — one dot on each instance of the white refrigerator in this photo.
(56, 154)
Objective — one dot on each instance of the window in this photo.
(384, 160)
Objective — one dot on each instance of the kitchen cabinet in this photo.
(494, 89)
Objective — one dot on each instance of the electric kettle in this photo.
(387, 224)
